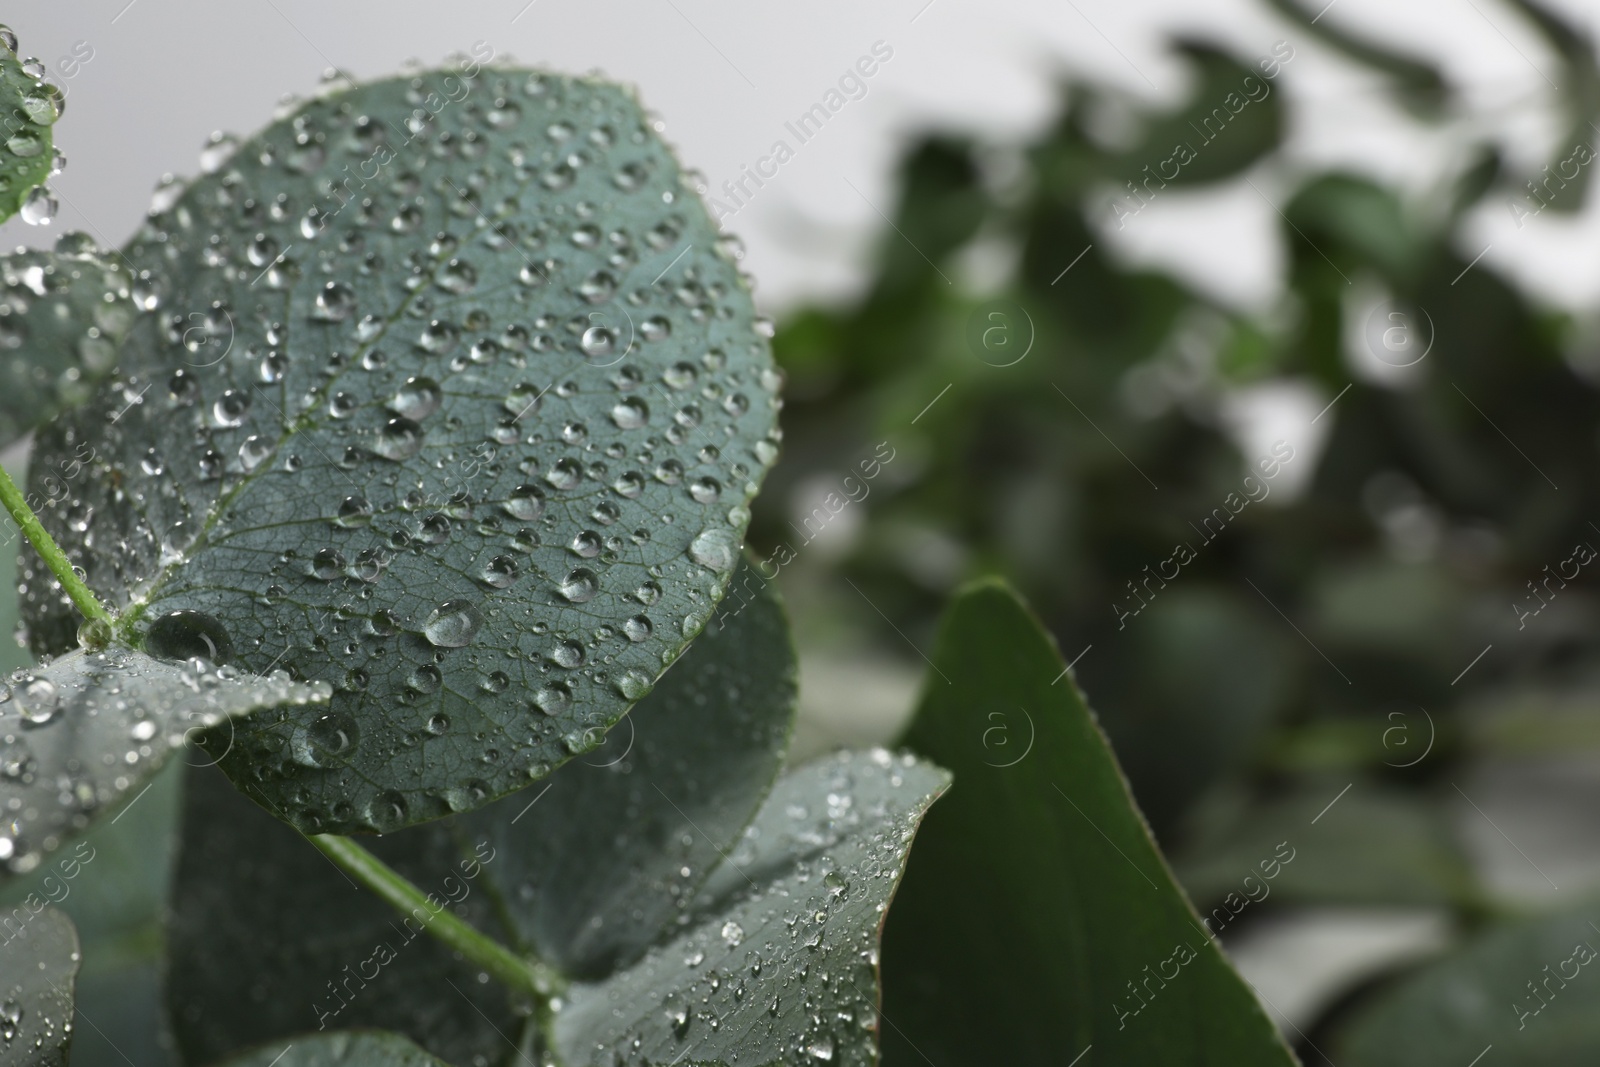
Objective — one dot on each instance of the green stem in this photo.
(532, 977)
(49, 551)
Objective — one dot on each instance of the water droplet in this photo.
(355, 511)
(188, 634)
(417, 399)
(40, 207)
(438, 725)
(328, 739)
(499, 572)
(231, 407)
(597, 341)
(399, 439)
(426, 679)
(579, 586)
(453, 624)
(387, 810)
(335, 302)
(714, 548)
(564, 474)
(526, 503)
(553, 699)
(732, 933)
(327, 564)
(36, 699)
(637, 628)
(253, 450)
(634, 685)
(630, 414)
(568, 654)
(458, 276)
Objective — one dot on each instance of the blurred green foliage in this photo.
(1324, 636)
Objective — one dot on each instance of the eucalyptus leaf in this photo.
(29, 106)
(85, 732)
(1527, 988)
(1070, 932)
(596, 865)
(475, 448)
(782, 966)
(586, 870)
(346, 1048)
(38, 964)
(62, 316)
(267, 938)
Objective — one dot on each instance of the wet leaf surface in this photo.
(29, 107)
(482, 402)
(87, 731)
(62, 316)
(600, 864)
(38, 964)
(782, 964)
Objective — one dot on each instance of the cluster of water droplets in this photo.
(79, 733)
(486, 400)
(788, 969)
(29, 117)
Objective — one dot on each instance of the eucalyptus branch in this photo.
(533, 977)
(82, 596)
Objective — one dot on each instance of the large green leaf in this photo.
(62, 316)
(38, 962)
(1526, 988)
(782, 966)
(86, 731)
(597, 865)
(586, 870)
(352, 1048)
(29, 106)
(267, 938)
(1037, 917)
(478, 454)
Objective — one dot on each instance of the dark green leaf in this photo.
(782, 965)
(1527, 989)
(353, 1048)
(1419, 85)
(29, 106)
(38, 963)
(593, 866)
(1037, 918)
(85, 732)
(62, 315)
(478, 452)
(267, 938)
(1233, 119)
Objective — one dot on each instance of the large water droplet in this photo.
(186, 635)
(579, 586)
(714, 548)
(417, 399)
(399, 439)
(453, 624)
